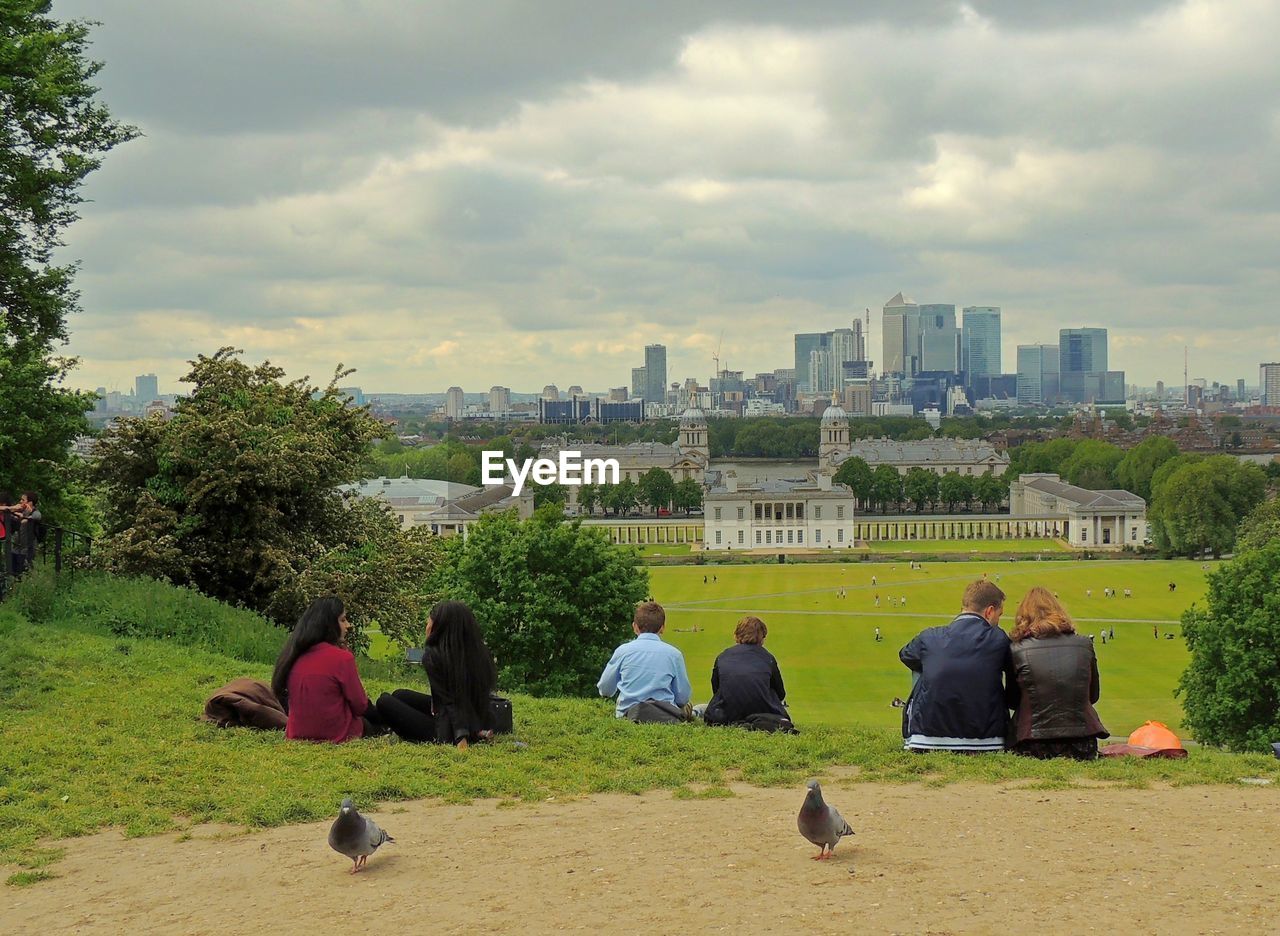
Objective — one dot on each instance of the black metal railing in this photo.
(61, 545)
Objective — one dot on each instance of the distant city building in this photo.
(901, 336)
(821, 357)
(1038, 375)
(941, 456)
(1159, 389)
(454, 403)
(1082, 362)
(1269, 382)
(499, 401)
(1241, 394)
(447, 508)
(574, 391)
(567, 412)
(639, 382)
(550, 392)
(655, 373)
(354, 394)
(146, 388)
(1092, 519)
(939, 338)
(618, 395)
(980, 343)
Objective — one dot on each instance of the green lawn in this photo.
(665, 549)
(837, 674)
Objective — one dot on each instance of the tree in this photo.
(886, 486)
(53, 134)
(553, 493)
(656, 488)
(856, 474)
(237, 495)
(688, 495)
(553, 597)
(920, 487)
(1199, 506)
(1039, 457)
(955, 489)
(588, 496)
(1260, 527)
(1231, 688)
(1092, 464)
(990, 490)
(622, 496)
(1136, 469)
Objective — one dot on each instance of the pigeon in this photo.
(820, 823)
(355, 836)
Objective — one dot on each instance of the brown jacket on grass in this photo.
(245, 702)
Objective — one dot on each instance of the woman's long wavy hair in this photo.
(1040, 615)
(318, 624)
(456, 639)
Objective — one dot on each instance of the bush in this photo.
(554, 597)
(1231, 688)
(138, 607)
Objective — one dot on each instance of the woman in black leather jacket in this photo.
(1057, 675)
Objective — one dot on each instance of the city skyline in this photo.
(467, 198)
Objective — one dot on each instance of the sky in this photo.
(528, 193)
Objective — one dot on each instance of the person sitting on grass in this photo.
(962, 698)
(745, 679)
(462, 676)
(1057, 675)
(316, 681)
(648, 676)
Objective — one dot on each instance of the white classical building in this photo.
(447, 507)
(1089, 519)
(941, 456)
(772, 515)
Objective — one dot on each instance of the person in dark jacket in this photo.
(462, 677)
(965, 687)
(1057, 674)
(745, 679)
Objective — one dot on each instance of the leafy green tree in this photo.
(588, 496)
(553, 493)
(856, 473)
(53, 134)
(886, 486)
(1039, 457)
(1092, 464)
(688, 495)
(623, 496)
(955, 489)
(1231, 688)
(554, 598)
(1260, 527)
(1272, 470)
(920, 487)
(237, 495)
(656, 488)
(1136, 469)
(990, 490)
(1167, 470)
(1200, 505)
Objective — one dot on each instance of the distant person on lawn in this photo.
(1057, 674)
(316, 680)
(648, 676)
(745, 679)
(462, 676)
(966, 685)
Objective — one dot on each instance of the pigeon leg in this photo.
(355, 865)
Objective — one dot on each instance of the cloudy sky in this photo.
(526, 193)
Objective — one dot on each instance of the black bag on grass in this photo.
(501, 718)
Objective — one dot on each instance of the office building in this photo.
(1159, 389)
(1241, 394)
(454, 403)
(980, 342)
(550, 392)
(639, 378)
(1269, 382)
(1082, 362)
(805, 346)
(1038, 375)
(146, 388)
(655, 373)
(939, 339)
(901, 336)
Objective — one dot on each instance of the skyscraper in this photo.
(1269, 381)
(639, 382)
(939, 338)
(454, 403)
(146, 388)
(499, 401)
(805, 344)
(655, 373)
(980, 342)
(901, 336)
(1038, 375)
(1082, 359)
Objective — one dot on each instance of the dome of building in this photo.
(692, 417)
(834, 413)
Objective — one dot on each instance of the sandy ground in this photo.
(955, 859)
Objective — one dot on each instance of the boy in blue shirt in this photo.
(646, 670)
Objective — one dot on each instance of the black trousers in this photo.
(407, 712)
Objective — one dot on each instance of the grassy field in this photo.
(998, 547)
(837, 674)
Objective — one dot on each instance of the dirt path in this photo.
(956, 859)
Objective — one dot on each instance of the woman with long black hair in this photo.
(462, 676)
(316, 680)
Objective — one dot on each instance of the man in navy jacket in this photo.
(966, 684)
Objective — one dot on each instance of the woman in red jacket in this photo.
(316, 680)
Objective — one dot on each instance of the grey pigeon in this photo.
(820, 823)
(355, 836)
